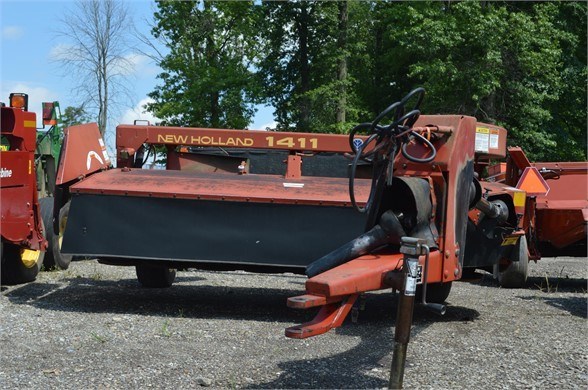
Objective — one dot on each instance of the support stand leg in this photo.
(401, 339)
(411, 248)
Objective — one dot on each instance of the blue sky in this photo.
(29, 41)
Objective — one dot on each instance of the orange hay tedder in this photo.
(397, 204)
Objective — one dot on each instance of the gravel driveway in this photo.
(92, 326)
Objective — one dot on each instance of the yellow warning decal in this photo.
(30, 124)
(510, 240)
(483, 130)
(29, 257)
(519, 198)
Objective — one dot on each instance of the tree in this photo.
(310, 48)
(325, 66)
(207, 76)
(74, 116)
(292, 37)
(569, 111)
(97, 31)
(502, 62)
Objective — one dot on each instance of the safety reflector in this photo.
(29, 257)
(532, 182)
(510, 240)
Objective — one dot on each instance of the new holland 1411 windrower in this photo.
(279, 201)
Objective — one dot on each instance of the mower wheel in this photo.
(436, 292)
(53, 257)
(515, 274)
(151, 276)
(14, 270)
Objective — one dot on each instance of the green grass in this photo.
(99, 338)
(165, 332)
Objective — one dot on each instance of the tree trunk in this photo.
(376, 99)
(104, 103)
(212, 61)
(303, 38)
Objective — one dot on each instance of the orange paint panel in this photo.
(366, 273)
(84, 153)
(223, 186)
(532, 182)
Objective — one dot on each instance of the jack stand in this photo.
(411, 248)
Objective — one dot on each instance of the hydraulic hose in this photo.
(388, 140)
(389, 230)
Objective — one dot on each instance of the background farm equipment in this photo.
(23, 243)
(47, 152)
(29, 154)
(557, 194)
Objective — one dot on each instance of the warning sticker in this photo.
(482, 139)
(494, 137)
(510, 240)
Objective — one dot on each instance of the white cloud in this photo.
(37, 95)
(63, 51)
(142, 65)
(139, 113)
(12, 32)
(130, 64)
(268, 126)
(137, 60)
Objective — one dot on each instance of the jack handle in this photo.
(438, 308)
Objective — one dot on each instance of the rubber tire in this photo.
(155, 276)
(436, 292)
(13, 270)
(54, 259)
(515, 275)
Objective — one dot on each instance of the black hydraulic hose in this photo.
(410, 118)
(426, 142)
(384, 113)
(358, 155)
(388, 139)
(419, 90)
(389, 230)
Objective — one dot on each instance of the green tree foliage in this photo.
(501, 62)
(207, 77)
(74, 116)
(570, 110)
(325, 66)
(295, 35)
(306, 61)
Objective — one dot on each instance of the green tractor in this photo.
(46, 159)
(48, 146)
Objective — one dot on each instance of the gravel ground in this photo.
(92, 326)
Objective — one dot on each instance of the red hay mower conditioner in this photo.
(27, 180)
(23, 243)
(273, 202)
